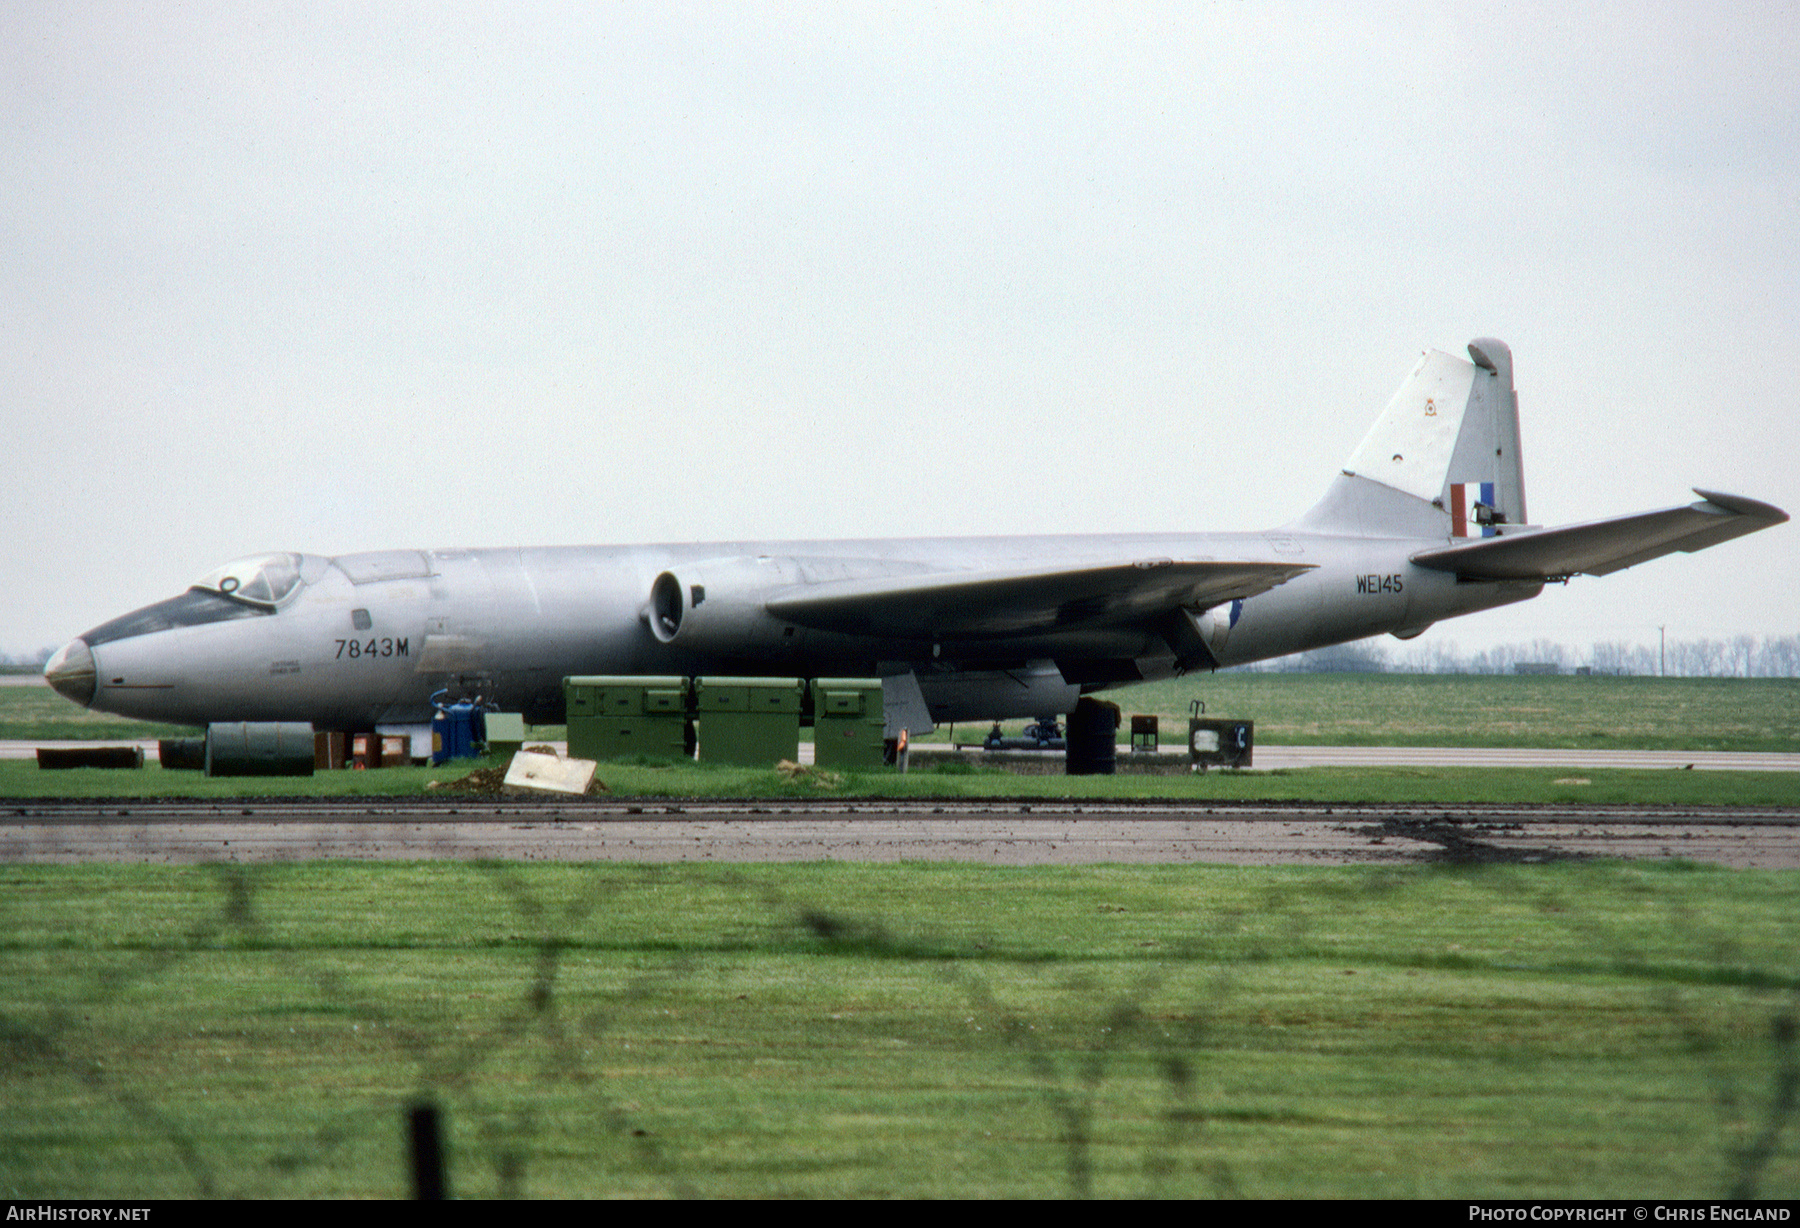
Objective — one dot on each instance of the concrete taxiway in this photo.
(999, 833)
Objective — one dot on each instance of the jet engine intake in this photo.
(719, 605)
(666, 607)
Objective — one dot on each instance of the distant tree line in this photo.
(40, 658)
(1742, 656)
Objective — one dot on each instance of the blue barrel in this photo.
(453, 732)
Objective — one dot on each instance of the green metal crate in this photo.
(848, 725)
(619, 716)
(752, 722)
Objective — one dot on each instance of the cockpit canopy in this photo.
(261, 580)
(251, 587)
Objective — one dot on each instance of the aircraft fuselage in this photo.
(358, 644)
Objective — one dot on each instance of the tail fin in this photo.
(1441, 461)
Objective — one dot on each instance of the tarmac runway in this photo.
(1010, 833)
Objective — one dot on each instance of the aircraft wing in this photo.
(1604, 546)
(978, 605)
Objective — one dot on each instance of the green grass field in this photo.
(1567, 711)
(1582, 713)
(32, 712)
(1577, 1031)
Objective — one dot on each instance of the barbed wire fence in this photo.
(1167, 1017)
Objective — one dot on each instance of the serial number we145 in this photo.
(386, 646)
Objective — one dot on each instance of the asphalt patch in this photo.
(1459, 843)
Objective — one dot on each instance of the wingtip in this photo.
(1741, 506)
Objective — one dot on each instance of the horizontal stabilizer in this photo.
(980, 605)
(1604, 546)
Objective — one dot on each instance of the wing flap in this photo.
(982, 605)
(1604, 546)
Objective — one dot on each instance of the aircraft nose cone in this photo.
(71, 672)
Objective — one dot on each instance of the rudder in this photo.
(1443, 459)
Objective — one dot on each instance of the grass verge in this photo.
(22, 779)
(1574, 1031)
(1567, 712)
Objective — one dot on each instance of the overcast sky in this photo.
(335, 278)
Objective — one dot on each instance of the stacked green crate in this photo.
(619, 716)
(752, 722)
(848, 725)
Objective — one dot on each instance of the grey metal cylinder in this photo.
(259, 748)
(182, 754)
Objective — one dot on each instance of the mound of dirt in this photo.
(817, 777)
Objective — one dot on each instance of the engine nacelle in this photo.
(716, 606)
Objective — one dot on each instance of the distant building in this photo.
(1536, 667)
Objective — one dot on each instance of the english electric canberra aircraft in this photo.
(1425, 522)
